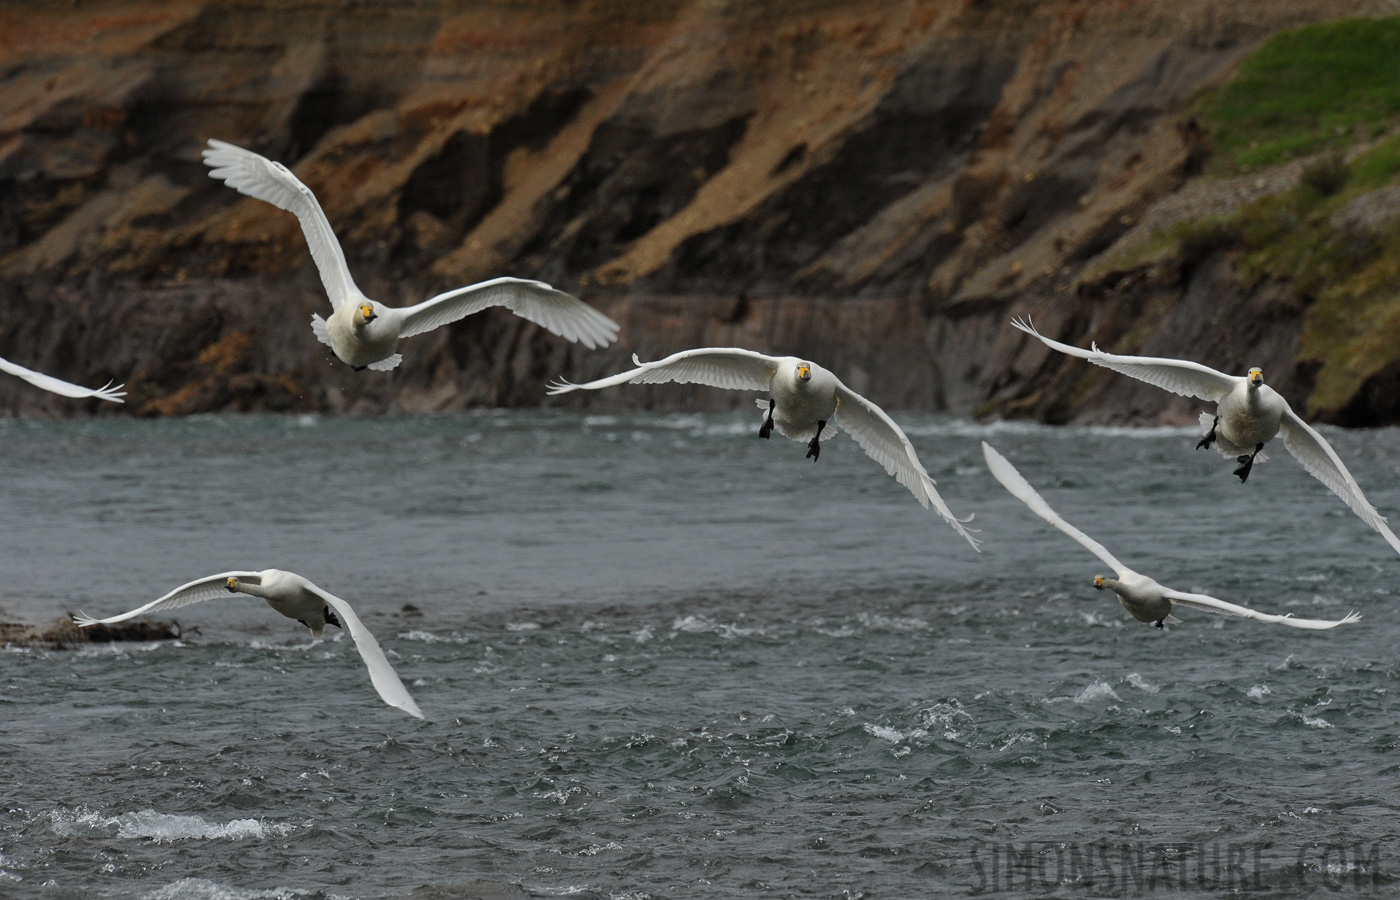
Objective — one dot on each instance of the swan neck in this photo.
(255, 590)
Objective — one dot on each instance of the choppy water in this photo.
(663, 658)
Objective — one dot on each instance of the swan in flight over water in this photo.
(111, 392)
(1142, 597)
(365, 333)
(804, 399)
(296, 598)
(1248, 414)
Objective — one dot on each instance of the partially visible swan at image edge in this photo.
(296, 598)
(1248, 414)
(1142, 597)
(804, 399)
(110, 392)
(365, 333)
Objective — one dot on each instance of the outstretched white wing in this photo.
(887, 444)
(722, 367)
(195, 592)
(1210, 604)
(1179, 376)
(59, 386)
(1011, 479)
(560, 313)
(257, 176)
(386, 680)
(1317, 456)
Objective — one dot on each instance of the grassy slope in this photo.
(1322, 90)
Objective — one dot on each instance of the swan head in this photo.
(1100, 582)
(804, 372)
(232, 585)
(364, 314)
(1256, 376)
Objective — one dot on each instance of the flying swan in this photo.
(1248, 414)
(1141, 596)
(296, 598)
(365, 333)
(803, 400)
(111, 392)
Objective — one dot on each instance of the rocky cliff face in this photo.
(879, 186)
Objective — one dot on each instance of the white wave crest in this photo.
(1099, 690)
(159, 827)
(706, 625)
(204, 889)
(1143, 684)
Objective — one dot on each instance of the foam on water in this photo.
(159, 827)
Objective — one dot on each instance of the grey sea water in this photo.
(663, 658)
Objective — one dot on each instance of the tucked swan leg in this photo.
(1210, 436)
(1247, 462)
(814, 448)
(767, 427)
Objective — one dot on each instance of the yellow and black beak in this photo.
(1256, 377)
(367, 311)
(1098, 582)
(804, 372)
(231, 584)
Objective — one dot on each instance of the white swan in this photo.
(111, 392)
(1142, 597)
(1248, 414)
(296, 598)
(803, 400)
(365, 333)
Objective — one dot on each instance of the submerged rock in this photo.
(64, 634)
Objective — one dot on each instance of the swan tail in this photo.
(387, 363)
(318, 327)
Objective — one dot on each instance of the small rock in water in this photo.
(64, 634)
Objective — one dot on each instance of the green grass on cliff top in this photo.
(1303, 91)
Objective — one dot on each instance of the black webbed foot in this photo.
(1247, 463)
(814, 447)
(1209, 439)
(332, 620)
(359, 368)
(767, 427)
(1159, 623)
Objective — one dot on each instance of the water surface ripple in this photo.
(663, 658)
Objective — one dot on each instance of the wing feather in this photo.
(59, 386)
(1321, 461)
(197, 591)
(887, 444)
(257, 176)
(723, 367)
(386, 680)
(1179, 376)
(1211, 604)
(556, 311)
(1012, 480)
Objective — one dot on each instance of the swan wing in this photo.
(1210, 604)
(722, 367)
(1179, 376)
(1317, 456)
(208, 588)
(556, 311)
(108, 391)
(386, 680)
(257, 176)
(1003, 471)
(887, 444)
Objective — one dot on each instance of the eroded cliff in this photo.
(877, 186)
